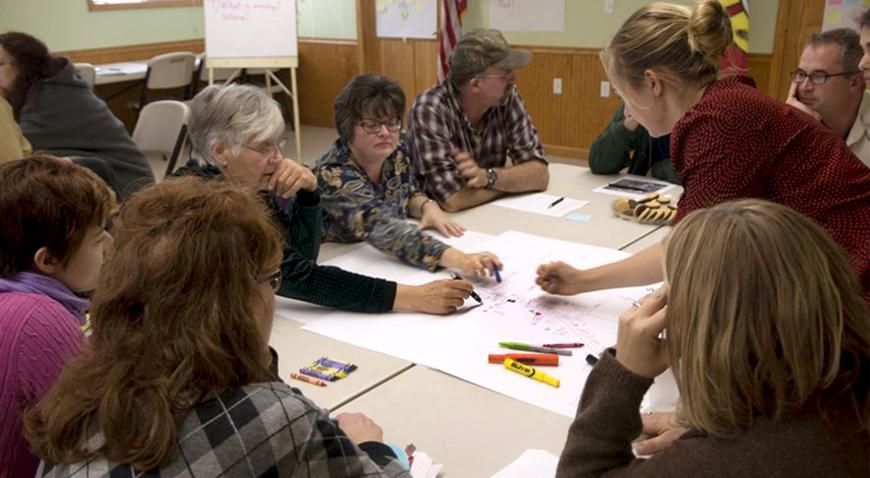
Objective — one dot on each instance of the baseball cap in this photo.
(480, 49)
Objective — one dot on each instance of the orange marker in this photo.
(528, 359)
(307, 379)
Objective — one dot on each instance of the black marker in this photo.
(591, 359)
(473, 294)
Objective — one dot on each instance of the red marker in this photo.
(527, 359)
(563, 346)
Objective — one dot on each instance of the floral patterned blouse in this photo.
(356, 209)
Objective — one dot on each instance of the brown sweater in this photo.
(599, 441)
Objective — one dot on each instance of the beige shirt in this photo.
(859, 136)
(13, 144)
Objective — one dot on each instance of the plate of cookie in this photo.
(654, 208)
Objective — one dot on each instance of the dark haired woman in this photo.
(368, 188)
(59, 113)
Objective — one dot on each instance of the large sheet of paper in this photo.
(369, 261)
(541, 203)
(515, 310)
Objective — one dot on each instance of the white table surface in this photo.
(604, 229)
(120, 72)
(473, 431)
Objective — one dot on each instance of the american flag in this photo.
(449, 31)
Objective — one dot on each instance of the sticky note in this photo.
(578, 217)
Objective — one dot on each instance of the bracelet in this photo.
(423, 205)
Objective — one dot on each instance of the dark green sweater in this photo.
(303, 279)
(612, 151)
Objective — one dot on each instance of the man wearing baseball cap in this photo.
(462, 131)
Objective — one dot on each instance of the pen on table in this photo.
(530, 372)
(574, 345)
(591, 359)
(527, 359)
(557, 201)
(532, 348)
(307, 379)
(473, 294)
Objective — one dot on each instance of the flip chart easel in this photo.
(254, 34)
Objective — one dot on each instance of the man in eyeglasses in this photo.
(829, 85)
(462, 131)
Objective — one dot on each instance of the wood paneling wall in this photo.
(131, 52)
(325, 66)
(567, 123)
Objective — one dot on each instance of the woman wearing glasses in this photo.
(176, 379)
(236, 132)
(369, 189)
(728, 140)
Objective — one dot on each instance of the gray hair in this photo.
(233, 115)
(849, 42)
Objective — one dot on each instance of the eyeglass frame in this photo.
(273, 148)
(396, 126)
(824, 75)
(274, 280)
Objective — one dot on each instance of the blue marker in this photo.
(497, 276)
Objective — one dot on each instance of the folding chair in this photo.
(161, 130)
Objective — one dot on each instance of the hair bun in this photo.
(709, 29)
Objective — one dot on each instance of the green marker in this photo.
(532, 348)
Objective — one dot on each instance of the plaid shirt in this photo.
(437, 125)
(264, 429)
(356, 209)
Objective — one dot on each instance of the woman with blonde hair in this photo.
(762, 321)
(176, 379)
(728, 140)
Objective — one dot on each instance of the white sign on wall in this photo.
(407, 18)
(527, 15)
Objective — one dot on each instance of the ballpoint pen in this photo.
(557, 201)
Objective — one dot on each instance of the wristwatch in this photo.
(491, 178)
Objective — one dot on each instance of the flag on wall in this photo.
(449, 31)
(736, 56)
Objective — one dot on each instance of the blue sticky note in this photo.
(578, 217)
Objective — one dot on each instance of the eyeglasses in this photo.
(374, 126)
(274, 280)
(268, 149)
(818, 77)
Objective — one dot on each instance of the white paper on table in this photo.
(540, 203)
(369, 261)
(515, 310)
(537, 463)
(422, 467)
(640, 186)
(124, 68)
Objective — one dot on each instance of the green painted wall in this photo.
(70, 26)
(327, 18)
(596, 28)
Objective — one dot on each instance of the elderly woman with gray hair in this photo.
(237, 132)
(369, 189)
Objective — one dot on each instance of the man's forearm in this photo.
(468, 197)
(529, 176)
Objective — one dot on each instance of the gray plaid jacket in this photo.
(264, 429)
